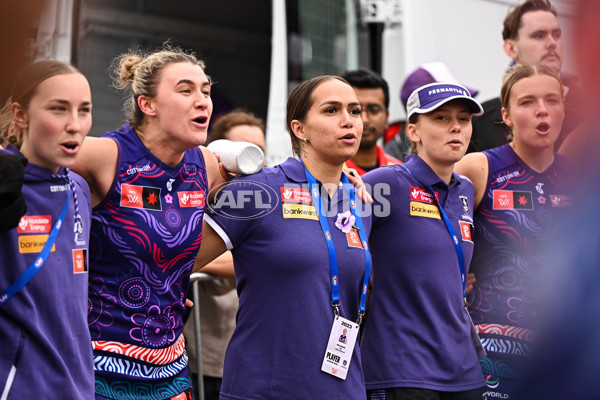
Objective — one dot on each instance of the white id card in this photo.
(340, 347)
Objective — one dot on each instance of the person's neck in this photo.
(537, 159)
(443, 171)
(366, 157)
(156, 144)
(327, 174)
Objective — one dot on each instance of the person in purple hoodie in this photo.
(418, 340)
(45, 350)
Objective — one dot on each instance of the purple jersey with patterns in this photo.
(282, 272)
(517, 216)
(44, 343)
(145, 236)
(418, 333)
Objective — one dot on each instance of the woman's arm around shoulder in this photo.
(97, 164)
(211, 247)
(475, 167)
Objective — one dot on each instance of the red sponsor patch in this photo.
(559, 200)
(466, 230)
(140, 197)
(79, 261)
(131, 196)
(422, 195)
(35, 224)
(503, 200)
(191, 199)
(296, 195)
(353, 239)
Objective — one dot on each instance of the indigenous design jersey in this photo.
(145, 236)
(43, 329)
(382, 159)
(418, 333)
(517, 216)
(282, 271)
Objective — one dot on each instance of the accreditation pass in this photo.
(340, 347)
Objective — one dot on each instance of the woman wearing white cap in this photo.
(521, 189)
(418, 341)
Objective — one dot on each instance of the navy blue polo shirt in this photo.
(282, 273)
(417, 332)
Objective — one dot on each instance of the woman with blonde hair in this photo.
(521, 190)
(150, 185)
(45, 349)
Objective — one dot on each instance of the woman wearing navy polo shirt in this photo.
(418, 341)
(300, 265)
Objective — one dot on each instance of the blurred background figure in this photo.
(531, 35)
(397, 144)
(567, 358)
(374, 97)
(218, 298)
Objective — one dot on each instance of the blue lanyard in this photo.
(35, 266)
(333, 268)
(453, 235)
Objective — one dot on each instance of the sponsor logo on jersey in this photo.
(466, 230)
(191, 199)
(295, 195)
(560, 200)
(80, 264)
(424, 210)
(35, 224)
(59, 188)
(353, 239)
(140, 197)
(137, 170)
(465, 203)
(422, 195)
(33, 243)
(507, 176)
(299, 211)
(512, 200)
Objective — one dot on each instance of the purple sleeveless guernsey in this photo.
(517, 216)
(145, 236)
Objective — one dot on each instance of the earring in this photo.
(305, 140)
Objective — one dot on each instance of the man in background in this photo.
(374, 97)
(532, 35)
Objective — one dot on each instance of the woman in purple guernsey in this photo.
(418, 341)
(291, 259)
(149, 182)
(521, 189)
(44, 341)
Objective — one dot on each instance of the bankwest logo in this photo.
(299, 211)
(33, 243)
(422, 195)
(191, 199)
(35, 224)
(140, 197)
(295, 195)
(424, 210)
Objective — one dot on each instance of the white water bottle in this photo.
(242, 158)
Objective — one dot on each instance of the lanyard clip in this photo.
(336, 309)
(361, 314)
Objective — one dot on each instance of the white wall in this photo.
(464, 34)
